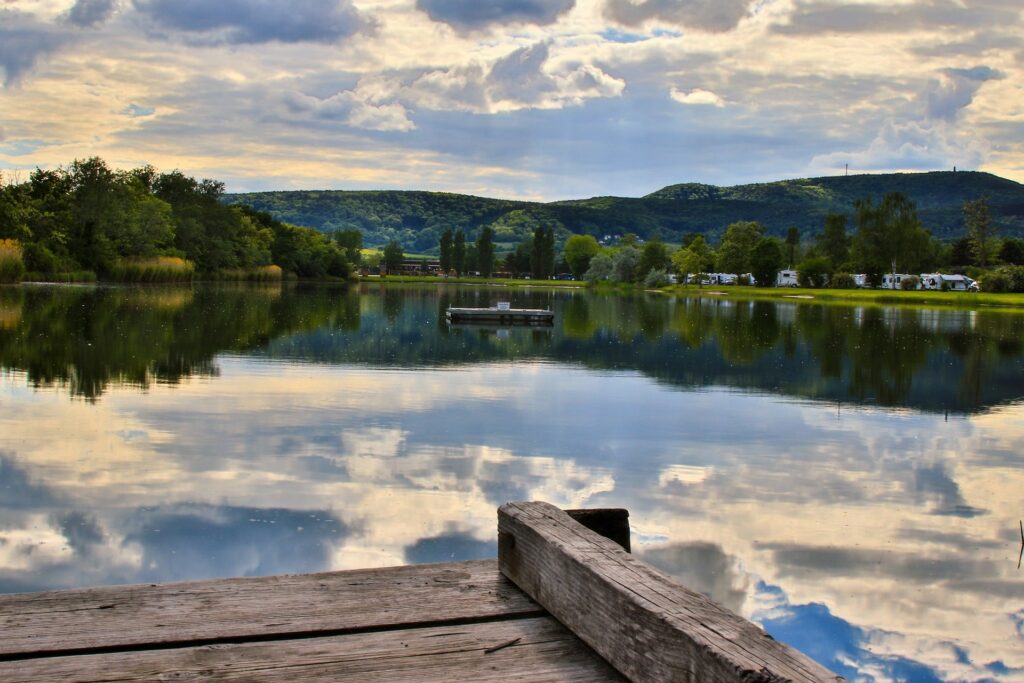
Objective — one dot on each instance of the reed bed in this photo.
(12, 267)
(157, 269)
(258, 274)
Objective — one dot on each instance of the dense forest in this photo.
(88, 220)
(417, 219)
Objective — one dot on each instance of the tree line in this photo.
(888, 237)
(141, 224)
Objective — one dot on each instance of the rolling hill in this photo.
(416, 219)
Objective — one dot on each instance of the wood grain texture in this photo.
(278, 606)
(535, 649)
(645, 624)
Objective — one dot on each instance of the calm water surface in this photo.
(849, 477)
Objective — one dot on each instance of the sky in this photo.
(528, 99)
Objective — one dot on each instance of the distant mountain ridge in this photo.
(417, 219)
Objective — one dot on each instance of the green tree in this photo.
(980, 230)
(393, 257)
(1012, 252)
(517, 262)
(447, 244)
(624, 263)
(814, 272)
(889, 237)
(654, 256)
(485, 251)
(833, 241)
(696, 258)
(792, 243)
(351, 241)
(579, 250)
(737, 243)
(600, 268)
(960, 253)
(765, 261)
(542, 256)
(459, 253)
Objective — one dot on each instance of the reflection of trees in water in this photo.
(86, 338)
(884, 355)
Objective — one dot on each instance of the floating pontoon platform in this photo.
(501, 314)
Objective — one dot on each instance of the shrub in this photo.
(1006, 279)
(1016, 274)
(11, 265)
(814, 272)
(656, 278)
(842, 281)
(158, 269)
(910, 282)
(39, 259)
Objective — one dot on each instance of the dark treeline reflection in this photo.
(86, 338)
(923, 358)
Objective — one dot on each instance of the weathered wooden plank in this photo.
(210, 611)
(531, 649)
(646, 625)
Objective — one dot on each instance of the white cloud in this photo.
(354, 108)
(522, 79)
(934, 140)
(697, 96)
(912, 146)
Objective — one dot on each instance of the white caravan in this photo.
(895, 280)
(787, 278)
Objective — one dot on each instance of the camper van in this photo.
(895, 280)
(952, 283)
(787, 278)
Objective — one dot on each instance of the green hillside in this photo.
(417, 219)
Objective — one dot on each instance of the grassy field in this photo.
(875, 296)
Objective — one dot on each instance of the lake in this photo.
(850, 477)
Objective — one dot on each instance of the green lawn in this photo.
(877, 296)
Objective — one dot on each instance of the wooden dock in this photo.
(599, 615)
(501, 314)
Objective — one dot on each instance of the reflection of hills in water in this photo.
(927, 359)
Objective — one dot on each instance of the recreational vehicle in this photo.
(787, 278)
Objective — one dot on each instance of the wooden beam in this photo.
(641, 621)
(539, 650)
(89, 620)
